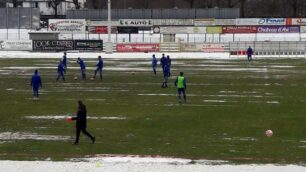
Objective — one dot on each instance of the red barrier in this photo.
(137, 47)
(241, 52)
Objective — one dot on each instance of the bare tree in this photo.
(219, 3)
(207, 4)
(242, 12)
(95, 4)
(191, 2)
(232, 4)
(76, 4)
(54, 4)
(296, 5)
(229, 3)
(15, 3)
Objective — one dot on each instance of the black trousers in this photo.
(78, 132)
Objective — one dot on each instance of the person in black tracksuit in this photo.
(81, 123)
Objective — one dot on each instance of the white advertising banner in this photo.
(18, 45)
(67, 25)
(101, 23)
(263, 21)
(247, 22)
(173, 22)
(272, 21)
(136, 22)
(299, 21)
(303, 29)
(183, 30)
(225, 22)
(204, 22)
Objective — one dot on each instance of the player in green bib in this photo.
(180, 84)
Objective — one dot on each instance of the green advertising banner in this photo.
(213, 29)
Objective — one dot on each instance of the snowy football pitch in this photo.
(230, 105)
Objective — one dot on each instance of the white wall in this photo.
(22, 34)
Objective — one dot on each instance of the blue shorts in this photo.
(181, 90)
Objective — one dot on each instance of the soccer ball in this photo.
(269, 133)
(75, 78)
(23, 71)
(92, 78)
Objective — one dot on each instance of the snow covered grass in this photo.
(231, 103)
(140, 163)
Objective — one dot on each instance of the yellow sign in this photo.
(214, 29)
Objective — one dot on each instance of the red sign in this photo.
(239, 29)
(137, 47)
(289, 21)
(100, 29)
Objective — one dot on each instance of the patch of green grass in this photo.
(230, 105)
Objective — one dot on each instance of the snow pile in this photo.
(140, 164)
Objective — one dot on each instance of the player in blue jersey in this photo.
(60, 71)
(250, 53)
(99, 65)
(169, 64)
(36, 84)
(154, 64)
(65, 61)
(166, 75)
(83, 67)
(163, 61)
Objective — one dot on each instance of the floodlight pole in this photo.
(109, 46)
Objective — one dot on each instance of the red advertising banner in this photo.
(100, 29)
(137, 47)
(239, 29)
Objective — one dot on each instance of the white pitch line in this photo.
(30, 136)
(62, 117)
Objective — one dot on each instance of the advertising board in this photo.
(101, 29)
(247, 21)
(298, 21)
(278, 29)
(303, 29)
(127, 29)
(173, 22)
(182, 30)
(214, 29)
(136, 22)
(67, 25)
(137, 47)
(86, 45)
(225, 22)
(272, 21)
(55, 45)
(16, 45)
(101, 23)
(239, 29)
(204, 22)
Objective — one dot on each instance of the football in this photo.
(75, 78)
(269, 133)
